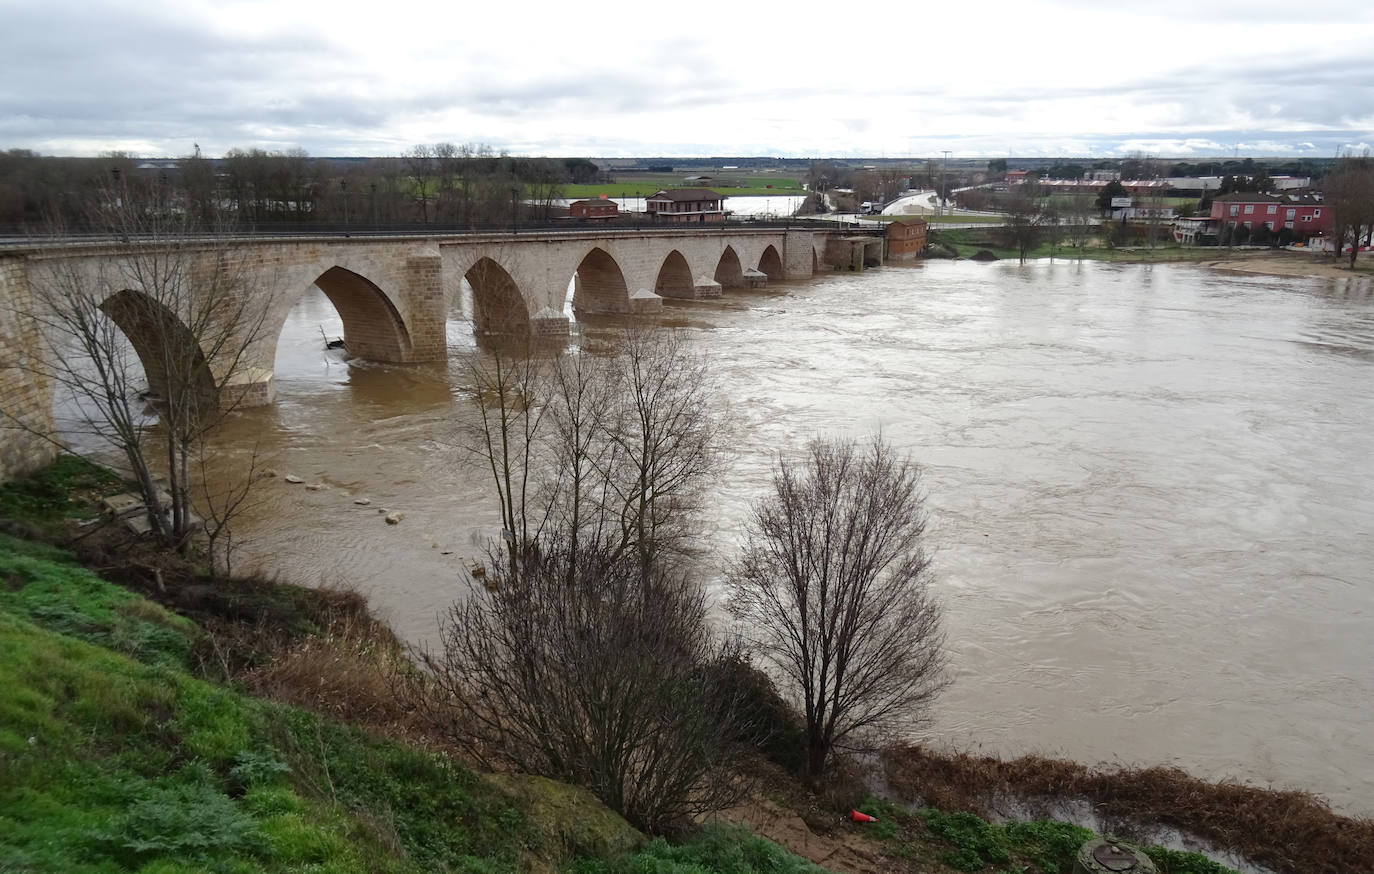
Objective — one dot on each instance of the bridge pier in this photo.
(423, 276)
(706, 288)
(798, 255)
(250, 387)
(645, 301)
(549, 324)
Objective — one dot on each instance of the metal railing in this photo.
(19, 239)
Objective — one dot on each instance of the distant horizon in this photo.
(1177, 159)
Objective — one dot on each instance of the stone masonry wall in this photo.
(797, 254)
(424, 292)
(25, 397)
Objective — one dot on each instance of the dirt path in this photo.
(842, 850)
(1287, 264)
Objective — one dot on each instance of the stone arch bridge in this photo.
(393, 293)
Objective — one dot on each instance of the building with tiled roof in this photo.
(682, 205)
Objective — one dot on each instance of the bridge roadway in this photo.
(392, 294)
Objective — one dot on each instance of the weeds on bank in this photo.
(47, 500)
(716, 849)
(48, 587)
(963, 841)
(1275, 828)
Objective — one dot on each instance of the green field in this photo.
(1181, 203)
(643, 185)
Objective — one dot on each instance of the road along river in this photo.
(1151, 492)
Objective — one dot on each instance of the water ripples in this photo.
(1151, 488)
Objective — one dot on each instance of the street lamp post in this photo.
(943, 168)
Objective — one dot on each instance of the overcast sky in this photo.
(984, 79)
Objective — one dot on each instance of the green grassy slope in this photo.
(113, 758)
(111, 764)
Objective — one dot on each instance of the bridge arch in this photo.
(166, 347)
(674, 277)
(770, 263)
(498, 307)
(599, 284)
(373, 327)
(729, 271)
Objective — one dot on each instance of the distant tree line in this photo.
(441, 183)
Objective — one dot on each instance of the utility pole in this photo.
(943, 167)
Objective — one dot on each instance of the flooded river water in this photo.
(1151, 492)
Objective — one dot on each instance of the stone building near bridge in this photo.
(680, 205)
(906, 239)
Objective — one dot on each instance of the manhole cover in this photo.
(1114, 858)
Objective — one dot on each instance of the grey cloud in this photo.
(129, 73)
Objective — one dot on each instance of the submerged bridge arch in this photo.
(729, 272)
(599, 284)
(498, 305)
(166, 347)
(373, 326)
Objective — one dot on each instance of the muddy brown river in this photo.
(1151, 492)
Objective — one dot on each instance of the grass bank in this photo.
(114, 757)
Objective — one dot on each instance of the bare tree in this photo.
(224, 494)
(446, 160)
(585, 654)
(610, 452)
(168, 309)
(666, 435)
(1025, 222)
(510, 394)
(421, 164)
(1349, 192)
(832, 590)
(588, 671)
(1078, 217)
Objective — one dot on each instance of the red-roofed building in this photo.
(1302, 214)
(682, 205)
(604, 209)
(906, 239)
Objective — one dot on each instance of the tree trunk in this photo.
(817, 751)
